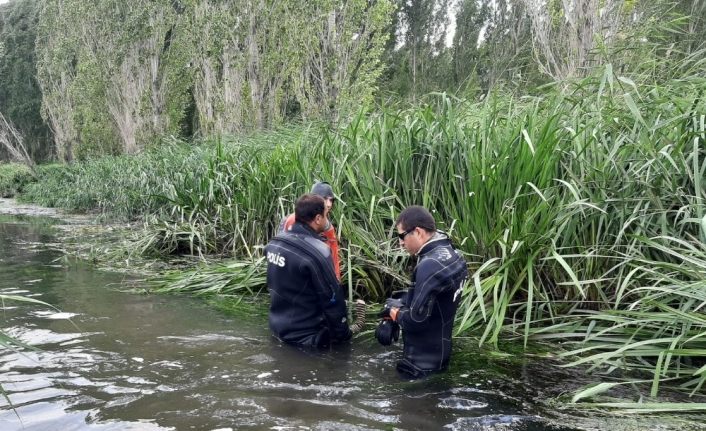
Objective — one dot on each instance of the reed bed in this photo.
(13, 177)
(582, 212)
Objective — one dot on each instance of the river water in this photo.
(110, 359)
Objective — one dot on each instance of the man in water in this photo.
(307, 305)
(324, 190)
(426, 312)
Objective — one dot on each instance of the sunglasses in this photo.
(402, 235)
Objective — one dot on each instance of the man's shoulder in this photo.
(442, 253)
(318, 245)
(301, 242)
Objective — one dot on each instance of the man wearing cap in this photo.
(426, 312)
(324, 190)
(307, 305)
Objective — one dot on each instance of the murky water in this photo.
(113, 360)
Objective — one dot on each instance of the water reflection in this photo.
(111, 360)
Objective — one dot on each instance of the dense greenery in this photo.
(567, 160)
(112, 86)
(582, 211)
(78, 85)
(20, 96)
(13, 177)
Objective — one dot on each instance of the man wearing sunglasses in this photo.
(307, 304)
(324, 190)
(426, 312)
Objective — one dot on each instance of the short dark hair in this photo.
(307, 207)
(416, 216)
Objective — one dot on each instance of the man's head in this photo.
(415, 226)
(310, 209)
(324, 190)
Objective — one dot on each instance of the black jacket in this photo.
(430, 307)
(307, 304)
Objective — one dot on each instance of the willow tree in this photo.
(220, 78)
(117, 75)
(110, 73)
(255, 64)
(342, 52)
(57, 53)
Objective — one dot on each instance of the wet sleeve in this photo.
(332, 242)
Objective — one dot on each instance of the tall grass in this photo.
(13, 178)
(581, 211)
(117, 186)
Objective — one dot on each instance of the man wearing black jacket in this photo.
(307, 305)
(426, 312)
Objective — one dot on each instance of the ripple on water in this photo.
(358, 412)
(168, 364)
(380, 404)
(202, 339)
(330, 425)
(14, 291)
(35, 396)
(458, 403)
(12, 382)
(493, 422)
(81, 382)
(260, 358)
(38, 337)
(54, 316)
(321, 390)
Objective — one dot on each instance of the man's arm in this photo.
(332, 302)
(332, 242)
(429, 282)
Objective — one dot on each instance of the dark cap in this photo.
(322, 189)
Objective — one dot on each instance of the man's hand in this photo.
(393, 306)
(393, 303)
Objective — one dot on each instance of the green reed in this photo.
(581, 211)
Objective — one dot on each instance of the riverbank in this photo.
(520, 374)
(154, 349)
(582, 226)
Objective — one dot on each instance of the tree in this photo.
(342, 56)
(11, 140)
(567, 32)
(111, 85)
(20, 95)
(417, 58)
(471, 18)
(115, 85)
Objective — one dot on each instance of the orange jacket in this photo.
(331, 240)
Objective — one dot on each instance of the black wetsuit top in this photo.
(307, 304)
(430, 307)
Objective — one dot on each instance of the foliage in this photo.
(111, 85)
(226, 279)
(114, 86)
(121, 186)
(13, 178)
(582, 211)
(20, 96)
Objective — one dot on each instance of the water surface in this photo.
(109, 359)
